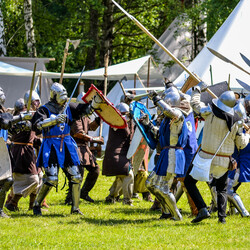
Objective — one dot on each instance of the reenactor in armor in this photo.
(58, 149)
(6, 122)
(173, 136)
(220, 119)
(79, 131)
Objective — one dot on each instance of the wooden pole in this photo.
(148, 76)
(64, 60)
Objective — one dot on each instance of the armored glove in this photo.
(96, 101)
(61, 118)
(154, 97)
(26, 116)
(200, 87)
(98, 140)
(240, 127)
(145, 120)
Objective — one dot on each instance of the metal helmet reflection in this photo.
(58, 93)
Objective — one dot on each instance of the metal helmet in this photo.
(127, 98)
(2, 97)
(34, 96)
(79, 97)
(123, 107)
(19, 105)
(171, 96)
(247, 103)
(239, 109)
(58, 93)
(226, 102)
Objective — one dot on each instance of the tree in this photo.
(29, 28)
(2, 34)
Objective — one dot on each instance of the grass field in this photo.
(118, 226)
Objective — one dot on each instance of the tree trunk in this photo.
(91, 60)
(29, 28)
(108, 29)
(2, 35)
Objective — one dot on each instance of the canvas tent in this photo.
(230, 40)
(176, 39)
(14, 86)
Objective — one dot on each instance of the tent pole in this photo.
(148, 76)
(140, 80)
(135, 81)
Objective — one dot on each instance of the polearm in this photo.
(106, 63)
(31, 88)
(194, 77)
(223, 58)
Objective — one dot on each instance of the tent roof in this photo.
(115, 72)
(230, 40)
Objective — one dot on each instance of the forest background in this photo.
(39, 28)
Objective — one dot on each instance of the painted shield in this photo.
(5, 165)
(138, 110)
(106, 111)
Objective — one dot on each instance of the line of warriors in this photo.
(174, 130)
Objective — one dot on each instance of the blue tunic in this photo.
(243, 162)
(162, 163)
(191, 145)
(52, 140)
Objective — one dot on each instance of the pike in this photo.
(193, 76)
(246, 60)
(223, 58)
(243, 84)
(120, 82)
(31, 89)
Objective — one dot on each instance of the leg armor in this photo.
(5, 185)
(50, 180)
(76, 179)
(167, 197)
(151, 181)
(235, 198)
(179, 191)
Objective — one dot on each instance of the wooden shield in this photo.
(106, 110)
(5, 165)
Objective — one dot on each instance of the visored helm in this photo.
(123, 108)
(19, 105)
(2, 97)
(34, 97)
(79, 97)
(226, 102)
(171, 96)
(58, 93)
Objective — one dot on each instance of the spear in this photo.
(193, 76)
(31, 88)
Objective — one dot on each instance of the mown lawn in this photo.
(118, 226)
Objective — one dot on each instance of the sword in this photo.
(223, 58)
(194, 77)
(65, 109)
(31, 88)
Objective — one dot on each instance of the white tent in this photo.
(177, 39)
(230, 40)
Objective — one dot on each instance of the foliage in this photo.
(118, 226)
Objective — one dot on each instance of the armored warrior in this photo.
(173, 136)
(79, 131)
(115, 162)
(58, 149)
(219, 120)
(25, 173)
(6, 122)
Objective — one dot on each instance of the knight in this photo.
(59, 149)
(7, 120)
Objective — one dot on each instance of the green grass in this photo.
(119, 226)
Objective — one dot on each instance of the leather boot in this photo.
(203, 214)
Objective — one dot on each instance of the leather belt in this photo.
(58, 136)
(23, 143)
(226, 156)
(173, 147)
